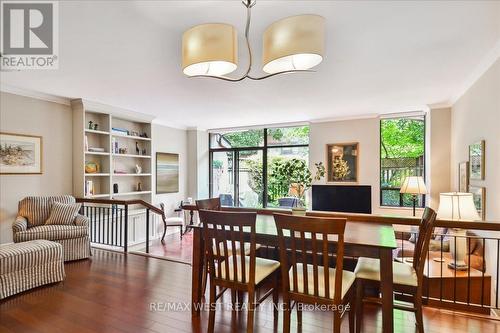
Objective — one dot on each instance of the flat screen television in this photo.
(342, 198)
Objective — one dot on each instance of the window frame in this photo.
(236, 151)
(424, 173)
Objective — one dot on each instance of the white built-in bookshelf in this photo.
(121, 141)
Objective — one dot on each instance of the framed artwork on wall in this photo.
(20, 154)
(167, 173)
(476, 160)
(342, 162)
(479, 197)
(463, 176)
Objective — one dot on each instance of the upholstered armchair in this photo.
(30, 225)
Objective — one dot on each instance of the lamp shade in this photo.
(413, 185)
(457, 206)
(210, 49)
(293, 43)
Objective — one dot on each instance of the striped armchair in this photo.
(30, 225)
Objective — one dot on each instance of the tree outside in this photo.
(402, 148)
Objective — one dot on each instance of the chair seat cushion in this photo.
(51, 232)
(174, 220)
(237, 248)
(369, 269)
(347, 280)
(263, 268)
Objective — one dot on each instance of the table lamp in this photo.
(457, 206)
(415, 186)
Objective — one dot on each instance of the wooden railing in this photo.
(109, 220)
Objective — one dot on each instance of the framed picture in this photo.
(463, 177)
(479, 197)
(342, 162)
(476, 160)
(20, 154)
(167, 173)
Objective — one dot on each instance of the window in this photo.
(402, 151)
(244, 164)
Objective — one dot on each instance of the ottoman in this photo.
(28, 265)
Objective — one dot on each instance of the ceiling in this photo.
(381, 57)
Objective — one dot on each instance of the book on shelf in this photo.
(119, 131)
(114, 146)
(89, 188)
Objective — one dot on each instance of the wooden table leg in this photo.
(196, 271)
(386, 282)
(191, 221)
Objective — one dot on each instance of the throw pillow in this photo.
(63, 214)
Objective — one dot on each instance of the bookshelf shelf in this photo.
(131, 155)
(123, 194)
(104, 195)
(96, 153)
(102, 183)
(96, 132)
(131, 137)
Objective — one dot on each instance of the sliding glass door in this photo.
(223, 176)
(244, 165)
(250, 181)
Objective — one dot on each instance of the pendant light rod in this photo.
(249, 4)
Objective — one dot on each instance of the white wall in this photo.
(476, 116)
(171, 140)
(367, 133)
(198, 160)
(54, 123)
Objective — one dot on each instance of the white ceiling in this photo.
(381, 57)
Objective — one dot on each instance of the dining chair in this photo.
(307, 277)
(231, 270)
(173, 221)
(215, 204)
(407, 278)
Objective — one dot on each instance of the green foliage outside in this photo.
(282, 172)
(217, 164)
(402, 137)
(255, 138)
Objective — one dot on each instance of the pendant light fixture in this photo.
(293, 44)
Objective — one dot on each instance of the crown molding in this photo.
(345, 118)
(272, 125)
(7, 88)
(488, 60)
(164, 123)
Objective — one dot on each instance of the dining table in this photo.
(361, 239)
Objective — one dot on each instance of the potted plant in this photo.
(299, 179)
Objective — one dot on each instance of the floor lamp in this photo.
(415, 186)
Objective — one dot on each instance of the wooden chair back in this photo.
(228, 230)
(425, 230)
(209, 204)
(309, 237)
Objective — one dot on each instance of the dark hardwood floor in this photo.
(173, 248)
(113, 292)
